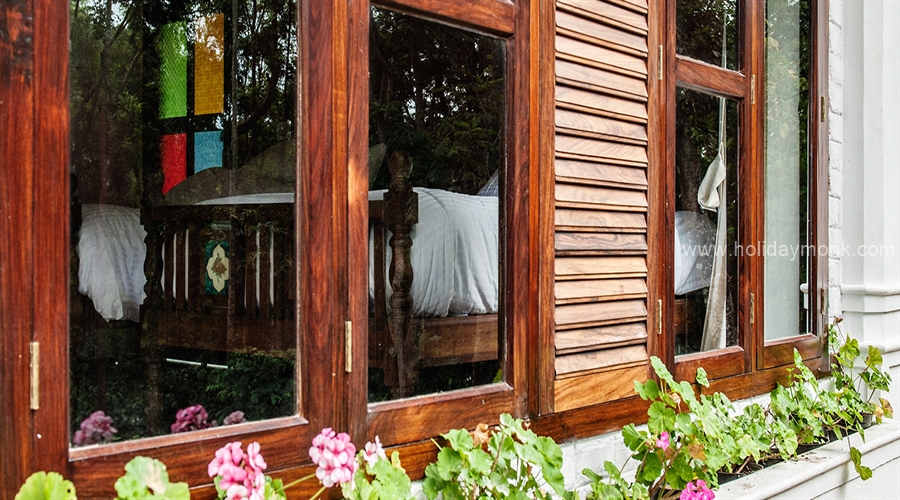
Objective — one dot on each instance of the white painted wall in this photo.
(865, 110)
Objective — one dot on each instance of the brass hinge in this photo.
(752, 89)
(752, 308)
(35, 399)
(824, 109)
(660, 63)
(659, 319)
(348, 346)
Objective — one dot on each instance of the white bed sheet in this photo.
(454, 254)
(111, 253)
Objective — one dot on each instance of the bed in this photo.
(221, 268)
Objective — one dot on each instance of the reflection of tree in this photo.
(438, 92)
(264, 78)
(699, 26)
(787, 88)
(106, 100)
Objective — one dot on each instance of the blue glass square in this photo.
(207, 150)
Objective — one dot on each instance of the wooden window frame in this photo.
(412, 422)
(753, 354)
(38, 189)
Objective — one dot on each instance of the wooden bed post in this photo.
(401, 212)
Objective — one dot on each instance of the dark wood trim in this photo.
(780, 352)
(492, 16)
(721, 363)
(592, 420)
(541, 353)
(658, 258)
(666, 219)
(757, 383)
(357, 216)
(710, 79)
(95, 470)
(520, 264)
(51, 230)
(17, 170)
(423, 417)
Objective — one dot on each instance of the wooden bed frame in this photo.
(179, 313)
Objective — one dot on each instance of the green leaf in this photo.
(147, 478)
(459, 439)
(632, 437)
(480, 461)
(449, 463)
(662, 418)
(863, 471)
(701, 377)
(46, 486)
(648, 390)
(874, 358)
(652, 468)
(390, 481)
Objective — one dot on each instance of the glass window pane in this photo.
(706, 222)
(437, 105)
(707, 29)
(183, 166)
(787, 177)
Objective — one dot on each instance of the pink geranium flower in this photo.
(663, 441)
(240, 474)
(335, 457)
(697, 490)
(373, 452)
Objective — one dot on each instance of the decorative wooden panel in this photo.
(601, 200)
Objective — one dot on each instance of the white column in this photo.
(871, 178)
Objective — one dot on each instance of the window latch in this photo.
(752, 89)
(752, 308)
(660, 63)
(35, 396)
(659, 318)
(348, 346)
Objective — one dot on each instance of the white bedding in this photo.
(111, 253)
(455, 254)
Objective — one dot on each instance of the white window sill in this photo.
(827, 469)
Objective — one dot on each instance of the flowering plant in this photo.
(507, 461)
(239, 475)
(95, 429)
(192, 418)
(688, 440)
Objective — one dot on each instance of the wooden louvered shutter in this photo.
(601, 201)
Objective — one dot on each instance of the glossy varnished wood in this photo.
(597, 388)
(415, 419)
(51, 266)
(492, 16)
(587, 339)
(541, 351)
(17, 168)
(698, 75)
